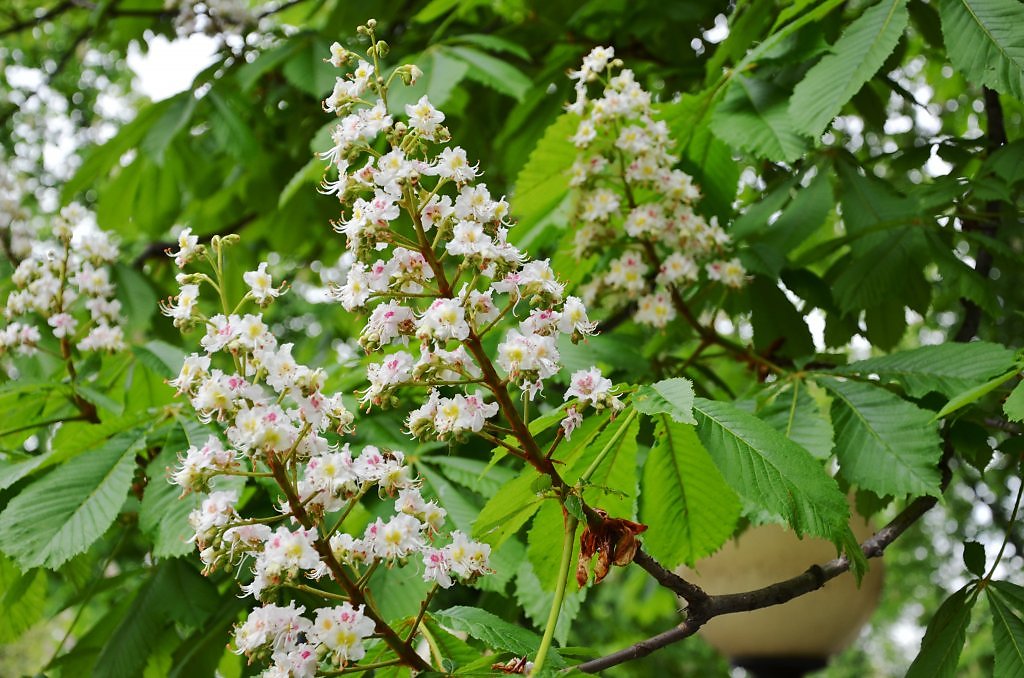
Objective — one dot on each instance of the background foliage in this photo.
(866, 157)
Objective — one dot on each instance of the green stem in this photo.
(571, 523)
(423, 610)
(1009, 527)
(359, 668)
(607, 448)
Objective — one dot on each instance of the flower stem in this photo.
(607, 448)
(1009, 528)
(571, 523)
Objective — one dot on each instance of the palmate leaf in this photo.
(688, 508)
(771, 472)
(884, 443)
(985, 42)
(753, 117)
(858, 53)
(948, 369)
(1008, 634)
(944, 639)
(62, 514)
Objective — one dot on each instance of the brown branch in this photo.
(983, 261)
(703, 607)
(159, 248)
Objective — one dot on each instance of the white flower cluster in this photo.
(630, 199)
(65, 283)
(211, 17)
(275, 415)
(433, 262)
(16, 228)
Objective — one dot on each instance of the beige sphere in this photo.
(818, 624)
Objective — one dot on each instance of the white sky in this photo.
(170, 66)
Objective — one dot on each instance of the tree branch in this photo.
(983, 261)
(703, 607)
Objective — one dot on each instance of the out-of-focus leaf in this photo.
(753, 116)
(857, 55)
(944, 368)
(985, 42)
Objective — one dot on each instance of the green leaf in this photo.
(884, 443)
(536, 601)
(160, 357)
(310, 173)
(1007, 636)
(706, 157)
(985, 42)
(809, 209)
(868, 279)
(62, 514)
(944, 639)
(163, 515)
(974, 558)
(870, 203)
(490, 629)
(673, 397)
(471, 473)
(542, 183)
(612, 485)
(688, 508)
(495, 73)
(944, 368)
(461, 510)
(1012, 594)
(797, 415)
(171, 122)
(493, 43)
(1013, 407)
(175, 593)
(442, 73)
(138, 300)
(22, 600)
(100, 160)
(307, 70)
(508, 510)
(771, 472)
(447, 646)
(99, 399)
(973, 394)
(858, 53)
(778, 326)
(753, 117)
(544, 545)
